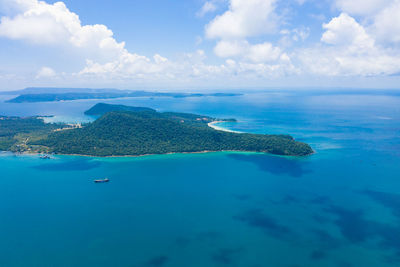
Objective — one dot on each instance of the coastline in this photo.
(169, 153)
(219, 128)
(137, 156)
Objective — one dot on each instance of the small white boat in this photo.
(106, 180)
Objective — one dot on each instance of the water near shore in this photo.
(338, 207)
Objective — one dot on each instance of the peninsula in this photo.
(131, 131)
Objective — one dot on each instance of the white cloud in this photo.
(300, 34)
(54, 24)
(352, 51)
(380, 17)
(359, 45)
(387, 23)
(361, 7)
(159, 59)
(290, 36)
(264, 52)
(230, 48)
(244, 18)
(333, 61)
(282, 67)
(43, 23)
(45, 72)
(344, 30)
(208, 7)
(380, 28)
(39, 22)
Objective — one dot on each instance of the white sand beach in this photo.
(218, 128)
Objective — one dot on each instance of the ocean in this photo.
(337, 207)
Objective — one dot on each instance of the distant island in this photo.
(101, 109)
(68, 94)
(133, 131)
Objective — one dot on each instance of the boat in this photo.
(106, 180)
(45, 157)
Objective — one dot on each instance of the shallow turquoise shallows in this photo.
(338, 207)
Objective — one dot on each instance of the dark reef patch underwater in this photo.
(80, 164)
(274, 165)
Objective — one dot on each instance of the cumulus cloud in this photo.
(244, 18)
(380, 17)
(39, 22)
(45, 72)
(368, 47)
(344, 30)
(359, 42)
(351, 51)
(54, 24)
(43, 23)
(263, 52)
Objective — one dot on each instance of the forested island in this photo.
(132, 131)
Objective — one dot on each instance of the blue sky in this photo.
(199, 44)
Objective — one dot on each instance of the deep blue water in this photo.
(338, 207)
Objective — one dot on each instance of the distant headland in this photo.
(49, 94)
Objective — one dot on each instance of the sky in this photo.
(200, 44)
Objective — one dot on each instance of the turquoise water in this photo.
(338, 207)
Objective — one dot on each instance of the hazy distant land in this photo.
(34, 94)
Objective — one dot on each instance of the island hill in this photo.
(132, 131)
